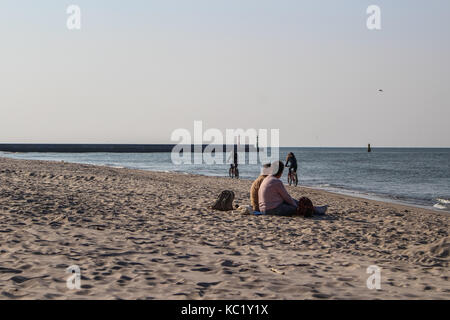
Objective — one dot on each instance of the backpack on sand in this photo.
(225, 201)
(305, 207)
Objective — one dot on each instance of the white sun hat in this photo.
(266, 171)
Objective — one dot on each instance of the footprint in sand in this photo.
(203, 269)
(9, 270)
(321, 295)
(207, 284)
(19, 279)
(229, 263)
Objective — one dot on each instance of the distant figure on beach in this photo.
(273, 197)
(254, 199)
(369, 149)
(291, 163)
(233, 171)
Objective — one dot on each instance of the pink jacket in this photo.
(272, 193)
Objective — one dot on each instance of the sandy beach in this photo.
(148, 235)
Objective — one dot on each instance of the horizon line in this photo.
(193, 144)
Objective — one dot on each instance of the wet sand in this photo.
(148, 235)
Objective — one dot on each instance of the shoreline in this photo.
(345, 192)
(380, 198)
(139, 234)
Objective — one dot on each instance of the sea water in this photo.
(417, 176)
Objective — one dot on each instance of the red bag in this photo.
(305, 207)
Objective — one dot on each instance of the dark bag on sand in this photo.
(305, 207)
(225, 201)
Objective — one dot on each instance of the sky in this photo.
(138, 70)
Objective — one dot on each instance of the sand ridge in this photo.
(149, 235)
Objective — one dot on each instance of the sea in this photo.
(413, 176)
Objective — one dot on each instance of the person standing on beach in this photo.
(254, 199)
(273, 196)
(234, 156)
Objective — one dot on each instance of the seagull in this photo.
(380, 90)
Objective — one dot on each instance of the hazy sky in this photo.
(137, 70)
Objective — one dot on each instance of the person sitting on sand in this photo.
(266, 170)
(273, 196)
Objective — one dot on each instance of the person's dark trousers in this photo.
(283, 209)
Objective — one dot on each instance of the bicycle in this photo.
(233, 172)
(292, 177)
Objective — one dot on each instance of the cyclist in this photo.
(291, 163)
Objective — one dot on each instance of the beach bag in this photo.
(305, 207)
(225, 201)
